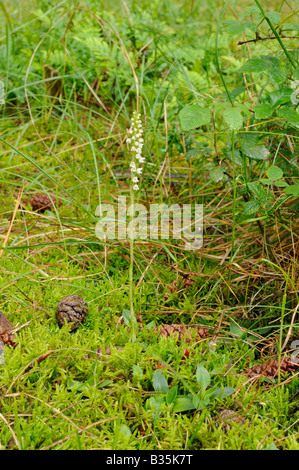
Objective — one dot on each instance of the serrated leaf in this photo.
(192, 153)
(203, 377)
(216, 174)
(183, 404)
(274, 173)
(256, 152)
(193, 116)
(159, 382)
(290, 115)
(263, 111)
(255, 65)
(281, 96)
(233, 118)
(273, 16)
(256, 189)
(251, 207)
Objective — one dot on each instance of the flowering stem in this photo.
(131, 284)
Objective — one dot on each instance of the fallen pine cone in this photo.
(71, 309)
(181, 331)
(6, 335)
(41, 202)
(270, 369)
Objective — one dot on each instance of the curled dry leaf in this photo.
(270, 369)
(6, 335)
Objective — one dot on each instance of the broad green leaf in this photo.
(193, 116)
(255, 65)
(159, 382)
(263, 111)
(235, 329)
(216, 174)
(290, 115)
(274, 173)
(127, 317)
(192, 153)
(271, 446)
(200, 402)
(172, 394)
(237, 157)
(183, 404)
(125, 430)
(203, 377)
(280, 184)
(251, 207)
(256, 152)
(292, 190)
(233, 118)
(276, 75)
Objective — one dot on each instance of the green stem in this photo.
(131, 284)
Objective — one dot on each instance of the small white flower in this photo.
(139, 171)
(135, 179)
(133, 149)
(142, 159)
(135, 187)
(128, 140)
(130, 131)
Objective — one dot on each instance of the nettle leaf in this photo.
(273, 16)
(233, 118)
(256, 152)
(256, 189)
(251, 207)
(290, 115)
(274, 173)
(292, 190)
(216, 174)
(263, 111)
(255, 65)
(238, 27)
(281, 96)
(203, 377)
(159, 382)
(193, 116)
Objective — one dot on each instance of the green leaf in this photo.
(127, 317)
(281, 184)
(256, 189)
(271, 446)
(256, 152)
(255, 65)
(203, 377)
(292, 190)
(235, 329)
(263, 111)
(273, 16)
(281, 96)
(216, 174)
(193, 116)
(172, 394)
(233, 118)
(251, 207)
(276, 75)
(274, 173)
(223, 392)
(159, 382)
(183, 404)
(290, 115)
(192, 153)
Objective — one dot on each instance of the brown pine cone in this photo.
(41, 202)
(270, 369)
(71, 309)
